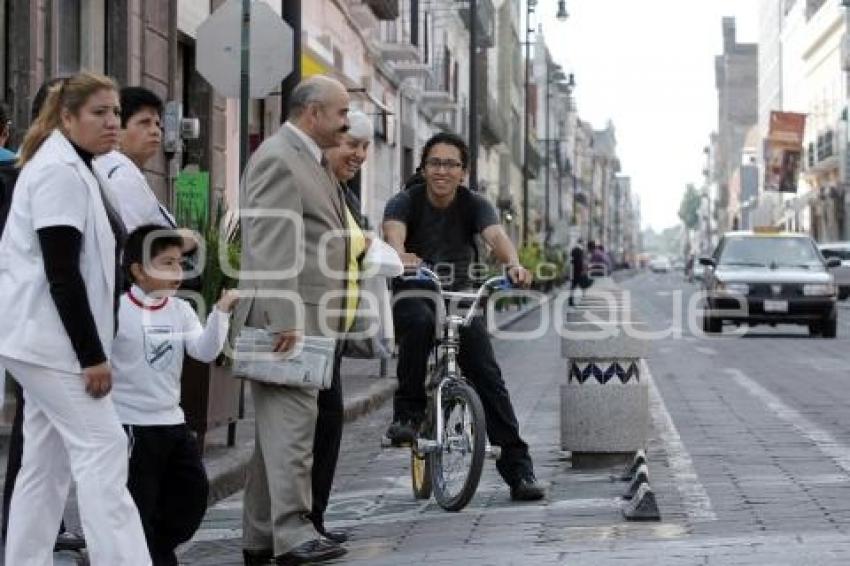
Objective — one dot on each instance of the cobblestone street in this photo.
(749, 463)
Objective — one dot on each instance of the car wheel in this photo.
(843, 293)
(711, 325)
(829, 327)
(815, 329)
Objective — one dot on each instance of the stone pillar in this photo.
(605, 400)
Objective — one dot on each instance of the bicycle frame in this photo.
(446, 351)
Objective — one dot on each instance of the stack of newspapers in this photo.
(309, 365)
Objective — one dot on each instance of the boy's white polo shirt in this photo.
(147, 355)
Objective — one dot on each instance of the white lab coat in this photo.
(54, 188)
(66, 431)
(131, 192)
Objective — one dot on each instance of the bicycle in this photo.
(447, 456)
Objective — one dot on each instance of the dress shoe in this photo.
(318, 550)
(339, 536)
(527, 489)
(69, 541)
(257, 557)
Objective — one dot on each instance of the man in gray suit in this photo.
(288, 202)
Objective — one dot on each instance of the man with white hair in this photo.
(288, 173)
(345, 161)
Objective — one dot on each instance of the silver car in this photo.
(840, 250)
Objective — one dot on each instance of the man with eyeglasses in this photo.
(436, 222)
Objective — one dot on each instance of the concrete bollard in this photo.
(605, 401)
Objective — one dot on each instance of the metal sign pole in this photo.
(245, 86)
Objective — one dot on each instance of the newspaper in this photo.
(309, 366)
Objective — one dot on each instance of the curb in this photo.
(228, 477)
(525, 311)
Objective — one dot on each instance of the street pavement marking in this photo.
(823, 440)
(694, 497)
(706, 350)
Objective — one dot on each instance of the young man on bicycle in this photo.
(436, 221)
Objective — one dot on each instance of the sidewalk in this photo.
(364, 391)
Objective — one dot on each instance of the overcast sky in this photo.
(648, 65)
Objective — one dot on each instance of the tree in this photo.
(689, 208)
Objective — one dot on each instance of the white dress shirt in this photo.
(311, 144)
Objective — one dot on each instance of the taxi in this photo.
(766, 276)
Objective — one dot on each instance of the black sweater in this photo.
(61, 247)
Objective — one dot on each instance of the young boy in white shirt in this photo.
(166, 478)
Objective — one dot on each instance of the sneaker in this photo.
(527, 489)
(401, 433)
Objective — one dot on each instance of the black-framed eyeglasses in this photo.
(448, 164)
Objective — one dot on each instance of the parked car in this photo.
(660, 264)
(840, 250)
(768, 277)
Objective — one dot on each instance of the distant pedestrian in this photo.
(57, 295)
(167, 478)
(599, 259)
(579, 279)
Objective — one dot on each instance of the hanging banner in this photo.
(783, 151)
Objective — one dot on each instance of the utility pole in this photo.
(245, 85)
(525, 152)
(291, 11)
(546, 224)
(473, 95)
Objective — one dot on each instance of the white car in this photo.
(840, 250)
(660, 264)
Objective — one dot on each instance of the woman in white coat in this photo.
(58, 271)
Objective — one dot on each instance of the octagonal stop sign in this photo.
(219, 49)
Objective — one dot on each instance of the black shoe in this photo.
(69, 541)
(527, 489)
(257, 557)
(318, 550)
(402, 433)
(338, 536)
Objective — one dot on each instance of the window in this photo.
(68, 42)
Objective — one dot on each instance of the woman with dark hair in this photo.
(59, 273)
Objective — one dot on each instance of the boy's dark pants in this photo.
(169, 485)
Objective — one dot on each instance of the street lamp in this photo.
(561, 16)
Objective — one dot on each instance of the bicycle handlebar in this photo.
(495, 283)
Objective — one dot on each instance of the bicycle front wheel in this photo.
(456, 467)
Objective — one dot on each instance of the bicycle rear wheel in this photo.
(456, 467)
(420, 475)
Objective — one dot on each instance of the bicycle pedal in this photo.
(493, 452)
(426, 446)
(387, 442)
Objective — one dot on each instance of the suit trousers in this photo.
(278, 492)
(169, 485)
(414, 324)
(327, 441)
(69, 433)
